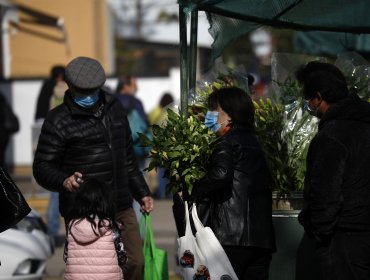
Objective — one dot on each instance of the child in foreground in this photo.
(94, 249)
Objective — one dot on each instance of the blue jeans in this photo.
(53, 215)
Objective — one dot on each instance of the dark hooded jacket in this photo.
(237, 188)
(97, 145)
(337, 182)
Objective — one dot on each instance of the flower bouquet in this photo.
(183, 145)
(285, 130)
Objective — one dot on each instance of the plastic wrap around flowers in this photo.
(285, 131)
(282, 124)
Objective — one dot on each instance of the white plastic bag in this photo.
(202, 257)
(190, 258)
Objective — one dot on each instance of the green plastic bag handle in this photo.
(146, 221)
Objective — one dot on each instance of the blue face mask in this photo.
(210, 121)
(87, 101)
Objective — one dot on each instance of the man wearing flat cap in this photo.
(88, 136)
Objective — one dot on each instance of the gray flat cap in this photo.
(85, 73)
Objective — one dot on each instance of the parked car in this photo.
(25, 249)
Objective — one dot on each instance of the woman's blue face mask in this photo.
(210, 121)
(87, 101)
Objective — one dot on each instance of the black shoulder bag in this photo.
(10, 122)
(13, 206)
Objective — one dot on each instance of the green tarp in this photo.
(230, 19)
(330, 43)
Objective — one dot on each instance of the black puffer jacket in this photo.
(238, 185)
(73, 139)
(337, 182)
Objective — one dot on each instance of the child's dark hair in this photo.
(92, 200)
(236, 103)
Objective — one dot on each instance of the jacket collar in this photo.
(350, 108)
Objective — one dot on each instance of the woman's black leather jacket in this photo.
(237, 187)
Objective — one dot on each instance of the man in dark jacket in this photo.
(88, 136)
(336, 211)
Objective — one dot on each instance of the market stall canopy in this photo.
(330, 43)
(229, 19)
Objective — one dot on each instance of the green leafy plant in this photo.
(182, 146)
(285, 130)
(269, 125)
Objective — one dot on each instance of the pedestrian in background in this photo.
(9, 124)
(52, 94)
(237, 186)
(90, 250)
(126, 90)
(88, 136)
(336, 209)
(138, 121)
(47, 91)
(158, 116)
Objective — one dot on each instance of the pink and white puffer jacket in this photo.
(91, 256)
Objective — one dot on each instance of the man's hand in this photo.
(73, 182)
(147, 204)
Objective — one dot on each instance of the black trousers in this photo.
(345, 257)
(249, 263)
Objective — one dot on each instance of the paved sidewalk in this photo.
(164, 228)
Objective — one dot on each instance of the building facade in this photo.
(38, 34)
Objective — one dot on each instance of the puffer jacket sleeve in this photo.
(221, 171)
(137, 184)
(48, 156)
